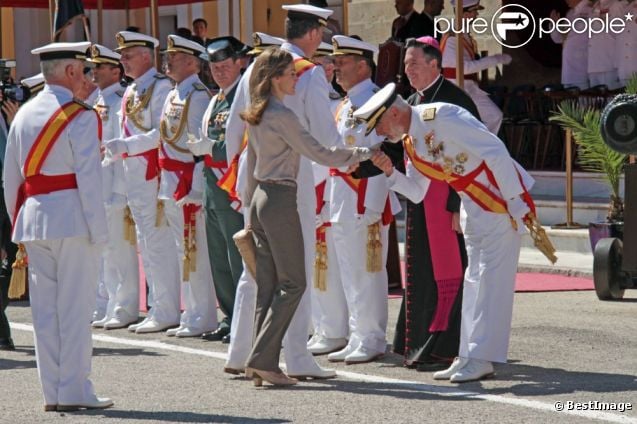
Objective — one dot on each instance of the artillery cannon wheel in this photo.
(607, 273)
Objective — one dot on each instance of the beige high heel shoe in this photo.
(274, 378)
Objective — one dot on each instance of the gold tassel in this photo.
(18, 283)
(374, 248)
(320, 265)
(541, 241)
(186, 274)
(130, 232)
(193, 249)
(160, 213)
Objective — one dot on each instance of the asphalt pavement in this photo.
(572, 359)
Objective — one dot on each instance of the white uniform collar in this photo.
(292, 48)
(149, 74)
(186, 86)
(111, 89)
(361, 87)
(58, 91)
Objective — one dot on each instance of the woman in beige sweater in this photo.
(276, 142)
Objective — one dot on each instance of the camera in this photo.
(10, 90)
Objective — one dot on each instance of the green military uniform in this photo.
(222, 220)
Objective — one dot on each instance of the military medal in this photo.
(350, 140)
(351, 122)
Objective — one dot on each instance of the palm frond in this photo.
(592, 153)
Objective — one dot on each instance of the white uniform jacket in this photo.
(140, 140)
(461, 142)
(626, 44)
(192, 91)
(574, 47)
(601, 47)
(108, 105)
(65, 213)
(343, 200)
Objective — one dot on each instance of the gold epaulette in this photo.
(83, 104)
(199, 86)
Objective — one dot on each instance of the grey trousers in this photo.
(280, 269)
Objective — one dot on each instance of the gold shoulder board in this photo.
(428, 114)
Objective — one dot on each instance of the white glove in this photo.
(518, 209)
(116, 147)
(504, 58)
(199, 147)
(362, 153)
(369, 218)
(192, 198)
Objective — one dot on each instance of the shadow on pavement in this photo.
(527, 380)
(107, 351)
(177, 417)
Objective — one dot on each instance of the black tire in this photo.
(607, 272)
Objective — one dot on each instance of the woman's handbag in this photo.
(244, 239)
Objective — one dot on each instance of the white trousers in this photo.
(329, 308)
(119, 266)
(242, 325)
(493, 250)
(158, 249)
(365, 292)
(200, 304)
(62, 282)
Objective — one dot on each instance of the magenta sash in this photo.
(445, 252)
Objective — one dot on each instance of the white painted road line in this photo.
(414, 385)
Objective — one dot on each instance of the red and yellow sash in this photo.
(34, 182)
(478, 192)
(228, 182)
(302, 65)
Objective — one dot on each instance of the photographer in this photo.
(8, 249)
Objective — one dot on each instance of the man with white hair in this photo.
(138, 146)
(53, 189)
(120, 269)
(444, 142)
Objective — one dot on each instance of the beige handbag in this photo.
(244, 240)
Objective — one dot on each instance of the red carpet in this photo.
(538, 282)
(531, 282)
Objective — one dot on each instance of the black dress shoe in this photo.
(226, 339)
(217, 335)
(7, 344)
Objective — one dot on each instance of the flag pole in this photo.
(51, 18)
(100, 7)
(154, 28)
(459, 45)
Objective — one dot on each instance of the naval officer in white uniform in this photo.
(445, 142)
(53, 192)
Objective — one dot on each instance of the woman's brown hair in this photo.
(271, 63)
